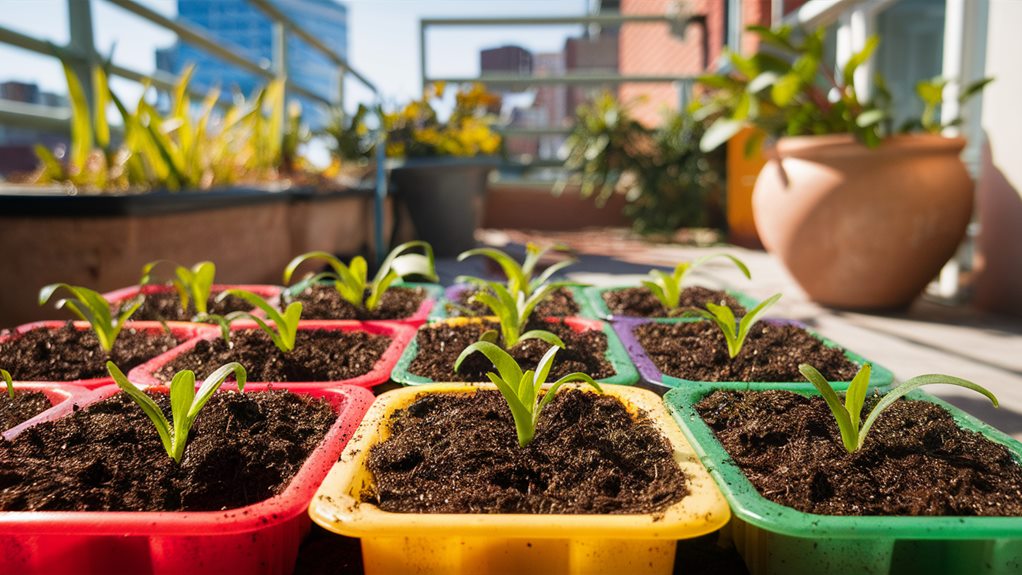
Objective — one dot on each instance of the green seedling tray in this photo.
(452, 292)
(594, 298)
(625, 328)
(775, 539)
(624, 372)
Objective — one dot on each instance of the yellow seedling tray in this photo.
(489, 544)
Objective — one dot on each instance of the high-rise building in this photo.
(239, 23)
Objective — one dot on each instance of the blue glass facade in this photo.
(240, 24)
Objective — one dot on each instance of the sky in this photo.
(383, 36)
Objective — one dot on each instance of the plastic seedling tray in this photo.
(400, 334)
(624, 371)
(182, 330)
(594, 295)
(625, 328)
(775, 539)
(260, 538)
(59, 394)
(268, 292)
(434, 295)
(489, 544)
(453, 294)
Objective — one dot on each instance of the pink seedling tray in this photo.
(181, 330)
(268, 292)
(400, 335)
(59, 394)
(260, 538)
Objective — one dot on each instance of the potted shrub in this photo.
(24, 403)
(283, 348)
(662, 294)
(235, 502)
(845, 196)
(486, 505)
(444, 166)
(930, 489)
(715, 345)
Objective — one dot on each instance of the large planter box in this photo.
(773, 538)
(594, 295)
(260, 538)
(453, 294)
(182, 330)
(58, 394)
(625, 373)
(399, 335)
(625, 328)
(483, 544)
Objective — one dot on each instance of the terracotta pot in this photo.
(861, 228)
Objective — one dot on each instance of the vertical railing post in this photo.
(79, 18)
(279, 47)
(342, 73)
(422, 54)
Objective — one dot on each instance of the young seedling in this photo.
(513, 313)
(92, 307)
(667, 287)
(8, 381)
(521, 391)
(284, 330)
(192, 285)
(350, 280)
(734, 331)
(849, 415)
(185, 402)
(519, 276)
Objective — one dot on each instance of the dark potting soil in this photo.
(560, 303)
(441, 344)
(640, 302)
(24, 405)
(915, 461)
(243, 448)
(166, 306)
(324, 302)
(67, 354)
(772, 352)
(318, 355)
(458, 453)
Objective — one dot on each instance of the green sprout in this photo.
(519, 276)
(667, 287)
(513, 313)
(8, 381)
(193, 284)
(350, 280)
(185, 403)
(849, 415)
(284, 330)
(92, 307)
(734, 331)
(521, 391)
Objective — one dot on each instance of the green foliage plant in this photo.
(8, 381)
(282, 328)
(185, 402)
(521, 390)
(92, 307)
(513, 313)
(734, 331)
(521, 278)
(849, 415)
(192, 284)
(667, 288)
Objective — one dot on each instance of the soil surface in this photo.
(166, 306)
(560, 303)
(640, 302)
(324, 302)
(772, 352)
(67, 354)
(458, 453)
(318, 355)
(25, 405)
(915, 461)
(441, 344)
(243, 448)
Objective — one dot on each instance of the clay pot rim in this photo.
(845, 145)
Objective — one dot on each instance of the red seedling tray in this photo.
(180, 329)
(260, 538)
(400, 334)
(57, 393)
(268, 292)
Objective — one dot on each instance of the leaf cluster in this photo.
(734, 331)
(8, 381)
(667, 288)
(416, 130)
(521, 278)
(849, 415)
(92, 307)
(192, 284)
(513, 313)
(282, 328)
(521, 390)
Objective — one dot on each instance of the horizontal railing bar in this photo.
(47, 118)
(571, 79)
(532, 131)
(605, 19)
(44, 47)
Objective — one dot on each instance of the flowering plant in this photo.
(416, 130)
